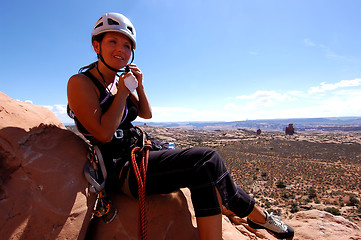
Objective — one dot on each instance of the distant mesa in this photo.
(340, 124)
(290, 130)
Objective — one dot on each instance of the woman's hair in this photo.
(98, 38)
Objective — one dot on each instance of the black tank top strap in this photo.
(103, 91)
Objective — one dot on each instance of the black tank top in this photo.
(105, 100)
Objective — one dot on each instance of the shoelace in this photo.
(276, 220)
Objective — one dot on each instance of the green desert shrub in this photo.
(280, 184)
(353, 201)
(312, 193)
(294, 207)
(333, 211)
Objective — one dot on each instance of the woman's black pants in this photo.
(202, 170)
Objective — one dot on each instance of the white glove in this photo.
(131, 82)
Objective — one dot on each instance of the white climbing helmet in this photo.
(115, 22)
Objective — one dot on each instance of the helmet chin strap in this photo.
(125, 69)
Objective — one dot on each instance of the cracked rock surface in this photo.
(43, 194)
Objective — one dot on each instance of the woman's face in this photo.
(116, 49)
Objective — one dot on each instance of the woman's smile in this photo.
(119, 58)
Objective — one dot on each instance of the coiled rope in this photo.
(140, 173)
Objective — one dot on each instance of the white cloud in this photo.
(253, 53)
(231, 107)
(329, 53)
(332, 86)
(178, 114)
(57, 108)
(343, 102)
(295, 93)
(309, 42)
(326, 49)
(342, 99)
(266, 98)
(60, 112)
(326, 100)
(339, 103)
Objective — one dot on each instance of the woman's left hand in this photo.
(141, 99)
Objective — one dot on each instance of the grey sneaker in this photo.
(273, 225)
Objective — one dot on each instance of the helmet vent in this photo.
(99, 25)
(112, 22)
(130, 29)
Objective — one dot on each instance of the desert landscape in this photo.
(286, 173)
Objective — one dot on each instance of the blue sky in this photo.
(202, 60)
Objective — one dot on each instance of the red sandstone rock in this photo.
(315, 224)
(43, 194)
(167, 214)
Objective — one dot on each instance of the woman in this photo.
(104, 109)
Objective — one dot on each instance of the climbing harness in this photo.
(96, 175)
(140, 173)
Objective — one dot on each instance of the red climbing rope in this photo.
(140, 173)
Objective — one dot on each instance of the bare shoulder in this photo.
(81, 90)
(81, 82)
(78, 79)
